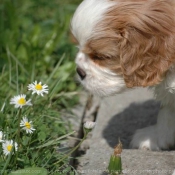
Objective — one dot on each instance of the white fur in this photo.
(99, 80)
(161, 135)
(87, 15)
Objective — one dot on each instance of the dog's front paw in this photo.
(145, 139)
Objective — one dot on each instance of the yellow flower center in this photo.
(9, 147)
(38, 87)
(28, 125)
(22, 101)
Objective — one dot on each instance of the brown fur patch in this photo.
(137, 39)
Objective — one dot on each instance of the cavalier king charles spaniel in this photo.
(125, 44)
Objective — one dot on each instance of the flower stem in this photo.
(18, 131)
(68, 154)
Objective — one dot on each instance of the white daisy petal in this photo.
(1, 136)
(27, 125)
(20, 100)
(38, 88)
(7, 146)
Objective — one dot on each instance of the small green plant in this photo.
(115, 163)
(25, 136)
(27, 144)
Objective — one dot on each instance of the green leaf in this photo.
(52, 142)
(41, 136)
(30, 171)
(35, 36)
(25, 140)
(22, 53)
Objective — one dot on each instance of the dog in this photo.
(125, 44)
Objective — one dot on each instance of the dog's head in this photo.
(123, 43)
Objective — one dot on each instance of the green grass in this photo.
(34, 41)
(35, 45)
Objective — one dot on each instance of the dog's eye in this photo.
(98, 57)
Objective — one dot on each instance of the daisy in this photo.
(89, 125)
(1, 136)
(26, 125)
(8, 145)
(20, 100)
(38, 88)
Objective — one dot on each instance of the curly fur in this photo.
(144, 38)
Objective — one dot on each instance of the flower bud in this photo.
(115, 163)
(89, 125)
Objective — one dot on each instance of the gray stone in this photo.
(74, 117)
(119, 117)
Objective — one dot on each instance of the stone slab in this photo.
(119, 117)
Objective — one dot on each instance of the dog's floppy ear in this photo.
(148, 46)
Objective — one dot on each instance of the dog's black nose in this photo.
(81, 73)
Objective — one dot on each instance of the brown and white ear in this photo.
(148, 47)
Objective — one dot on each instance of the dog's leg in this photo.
(159, 136)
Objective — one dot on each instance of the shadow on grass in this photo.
(124, 124)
